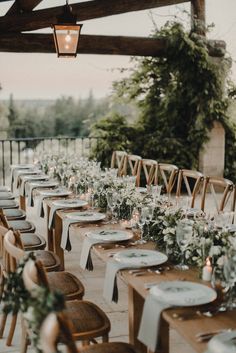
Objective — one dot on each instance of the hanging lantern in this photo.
(66, 33)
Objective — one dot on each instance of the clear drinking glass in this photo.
(150, 214)
(141, 220)
(112, 197)
(230, 278)
(184, 230)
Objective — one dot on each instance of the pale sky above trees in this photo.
(32, 76)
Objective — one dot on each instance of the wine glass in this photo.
(184, 230)
(229, 270)
(150, 213)
(141, 220)
(219, 284)
(112, 202)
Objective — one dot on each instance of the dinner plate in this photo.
(44, 183)
(70, 203)
(56, 192)
(140, 257)
(110, 235)
(183, 293)
(86, 216)
(35, 176)
(142, 190)
(224, 342)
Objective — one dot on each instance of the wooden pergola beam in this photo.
(85, 11)
(94, 44)
(198, 16)
(21, 6)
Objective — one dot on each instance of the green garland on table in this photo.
(34, 306)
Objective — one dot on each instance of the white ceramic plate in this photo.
(44, 183)
(86, 216)
(223, 343)
(110, 235)
(183, 293)
(140, 257)
(35, 176)
(70, 203)
(141, 190)
(56, 192)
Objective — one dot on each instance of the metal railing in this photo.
(24, 150)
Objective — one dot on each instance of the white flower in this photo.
(215, 250)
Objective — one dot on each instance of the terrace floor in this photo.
(93, 282)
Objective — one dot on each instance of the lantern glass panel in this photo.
(66, 39)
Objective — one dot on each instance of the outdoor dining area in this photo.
(161, 238)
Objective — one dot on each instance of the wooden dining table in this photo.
(187, 321)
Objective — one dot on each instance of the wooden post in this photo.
(198, 16)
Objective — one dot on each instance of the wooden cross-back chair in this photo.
(12, 252)
(131, 166)
(118, 161)
(190, 181)
(30, 240)
(149, 168)
(168, 173)
(89, 322)
(220, 189)
(58, 325)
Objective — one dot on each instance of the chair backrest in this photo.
(131, 166)
(168, 174)
(54, 326)
(118, 161)
(13, 250)
(220, 189)
(149, 169)
(192, 182)
(3, 219)
(34, 275)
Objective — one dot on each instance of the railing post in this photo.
(3, 163)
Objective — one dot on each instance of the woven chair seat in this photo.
(14, 213)
(89, 321)
(32, 241)
(113, 347)
(22, 226)
(67, 283)
(8, 204)
(50, 261)
(6, 196)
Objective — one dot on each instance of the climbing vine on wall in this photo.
(179, 95)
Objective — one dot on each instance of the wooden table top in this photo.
(186, 321)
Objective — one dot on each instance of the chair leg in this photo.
(12, 330)
(24, 337)
(3, 324)
(105, 338)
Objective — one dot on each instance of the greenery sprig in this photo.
(34, 306)
(179, 97)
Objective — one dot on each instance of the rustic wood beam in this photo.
(85, 11)
(21, 6)
(92, 44)
(198, 16)
(89, 44)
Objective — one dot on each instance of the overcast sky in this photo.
(32, 76)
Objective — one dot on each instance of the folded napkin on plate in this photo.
(110, 290)
(65, 237)
(30, 189)
(51, 217)
(150, 322)
(40, 210)
(85, 258)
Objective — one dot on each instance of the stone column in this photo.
(212, 155)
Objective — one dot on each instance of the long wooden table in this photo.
(186, 321)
